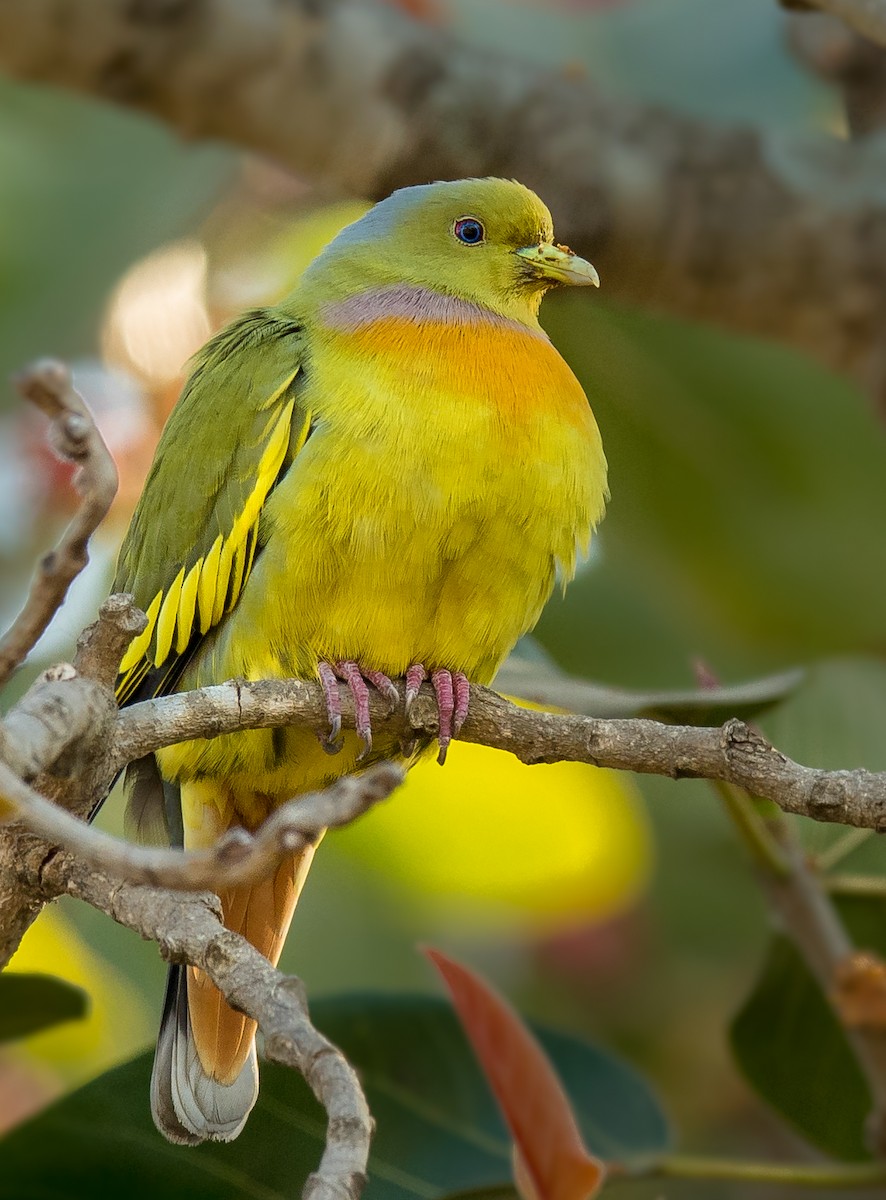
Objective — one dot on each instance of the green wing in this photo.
(192, 540)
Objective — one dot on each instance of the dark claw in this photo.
(333, 743)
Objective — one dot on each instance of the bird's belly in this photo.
(456, 591)
(427, 565)
(404, 532)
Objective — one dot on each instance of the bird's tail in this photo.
(205, 1078)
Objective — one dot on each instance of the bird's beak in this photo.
(559, 264)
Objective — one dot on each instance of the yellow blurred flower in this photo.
(491, 842)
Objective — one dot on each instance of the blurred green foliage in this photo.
(709, 58)
(745, 529)
(438, 1128)
(32, 1003)
(85, 190)
(747, 509)
(792, 1049)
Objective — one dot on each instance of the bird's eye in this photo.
(469, 230)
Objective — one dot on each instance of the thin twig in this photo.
(800, 905)
(855, 885)
(753, 828)
(71, 708)
(238, 857)
(74, 436)
(808, 916)
(101, 646)
(845, 845)
(812, 1175)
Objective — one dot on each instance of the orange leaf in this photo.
(550, 1159)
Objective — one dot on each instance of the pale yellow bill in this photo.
(560, 264)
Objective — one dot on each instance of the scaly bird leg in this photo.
(415, 677)
(332, 743)
(356, 678)
(453, 692)
(462, 701)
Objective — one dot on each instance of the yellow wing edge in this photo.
(202, 592)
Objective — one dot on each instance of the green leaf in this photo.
(723, 521)
(794, 1052)
(438, 1128)
(417, 1067)
(546, 685)
(32, 1003)
(124, 185)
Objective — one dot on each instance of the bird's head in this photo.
(489, 241)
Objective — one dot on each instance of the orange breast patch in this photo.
(516, 370)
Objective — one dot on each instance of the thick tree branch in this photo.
(733, 753)
(188, 929)
(67, 728)
(73, 436)
(785, 240)
(66, 721)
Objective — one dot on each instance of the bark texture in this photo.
(786, 239)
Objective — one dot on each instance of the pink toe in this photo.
(329, 681)
(352, 676)
(415, 677)
(385, 686)
(462, 701)
(442, 681)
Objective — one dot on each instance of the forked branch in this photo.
(188, 929)
(74, 436)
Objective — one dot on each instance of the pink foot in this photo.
(453, 692)
(415, 677)
(356, 678)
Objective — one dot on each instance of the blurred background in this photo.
(745, 532)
